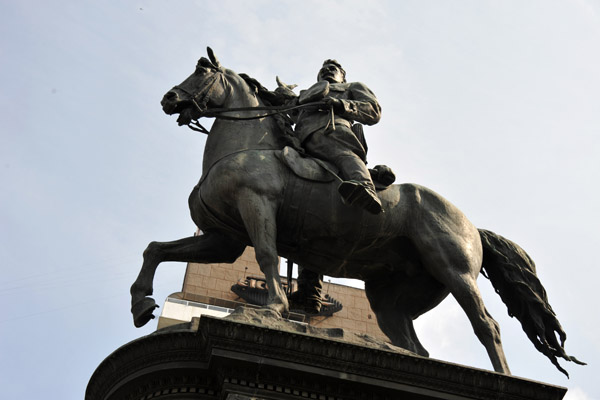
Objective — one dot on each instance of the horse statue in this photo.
(411, 256)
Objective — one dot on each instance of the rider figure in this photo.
(326, 133)
(328, 136)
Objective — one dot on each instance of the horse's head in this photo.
(209, 86)
(192, 97)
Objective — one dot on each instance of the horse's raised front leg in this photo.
(212, 247)
(259, 216)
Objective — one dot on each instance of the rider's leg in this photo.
(342, 148)
(358, 189)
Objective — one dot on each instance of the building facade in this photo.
(207, 290)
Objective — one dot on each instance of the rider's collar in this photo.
(339, 87)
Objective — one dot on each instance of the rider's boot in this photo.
(361, 195)
(300, 301)
(307, 298)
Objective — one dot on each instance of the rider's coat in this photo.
(360, 105)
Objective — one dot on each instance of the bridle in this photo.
(201, 98)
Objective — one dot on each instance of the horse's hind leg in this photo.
(465, 290)
(212, 247)
(398, 300)
(455, 260)
(399, 328)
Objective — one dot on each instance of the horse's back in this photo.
(440, 231)
(418, 203)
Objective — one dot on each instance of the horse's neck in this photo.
(230, 137)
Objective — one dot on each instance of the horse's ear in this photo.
(213, 58)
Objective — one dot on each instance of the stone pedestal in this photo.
(212, 358)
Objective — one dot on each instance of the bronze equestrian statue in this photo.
(410, 256)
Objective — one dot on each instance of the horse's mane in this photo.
(271, 98)
(274, 98)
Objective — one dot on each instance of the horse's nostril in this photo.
(170, 95)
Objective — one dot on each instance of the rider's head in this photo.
(332, 72)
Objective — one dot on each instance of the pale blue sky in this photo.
(493, 104)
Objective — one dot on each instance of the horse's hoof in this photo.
(142, 311)
(269, 312)
(277, 310)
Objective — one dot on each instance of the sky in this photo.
(493, 104)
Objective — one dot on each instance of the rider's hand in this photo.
(337, 104)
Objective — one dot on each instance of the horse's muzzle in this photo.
(171, 103)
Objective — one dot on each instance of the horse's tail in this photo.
(512, 273)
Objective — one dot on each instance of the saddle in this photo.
(316, 170)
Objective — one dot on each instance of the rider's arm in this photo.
(362, 105)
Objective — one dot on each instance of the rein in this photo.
(217, 113)
(202, 107)
(214, 112)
